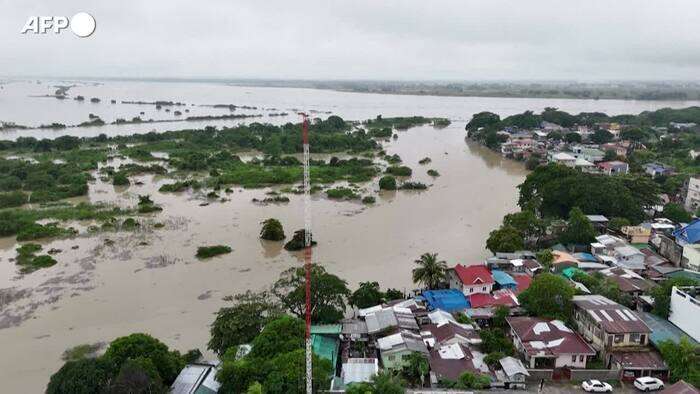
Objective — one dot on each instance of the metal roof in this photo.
(196, 378)
(357, 370)
(611, 316)
(512, 366)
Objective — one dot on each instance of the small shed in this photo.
(513, 369)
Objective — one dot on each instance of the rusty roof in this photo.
(611, 316)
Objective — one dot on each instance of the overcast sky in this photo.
(360, 39)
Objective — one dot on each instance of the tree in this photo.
(528, 224)
(393, 294)
(572, 137)
(468, 380)
(618, 223)
(682, 360)
(241, 323)
(120, 179)
(387, 383)
(493, 358)
(579, 229)
(272, 230)
(545, 257)
(276, 359)
(554, 135)
(298, 241)
(416, 368)
(494, 340)
(676, 213)
(610, 155)
(387, 182)
(483, 119)
(368, 294)
(499, 316)
(145, 346)
(85, 376)
(662, 294)
(601, 136)
(532, 163)
(328, 293)
(549, 296)
(505, 239)
(138, 376)
(430, 272)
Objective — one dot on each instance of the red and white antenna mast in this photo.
(307, 251)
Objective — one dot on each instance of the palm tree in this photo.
(430, 272)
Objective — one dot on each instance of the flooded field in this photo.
(114, 283)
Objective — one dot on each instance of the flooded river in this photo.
(115, 283)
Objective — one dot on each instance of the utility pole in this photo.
(307, 251)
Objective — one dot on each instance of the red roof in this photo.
(523, 282)
(501, 297)
(474, 274)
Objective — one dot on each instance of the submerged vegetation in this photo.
(29, 261)
(205, 252)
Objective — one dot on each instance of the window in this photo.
(483, 288)
(580, 358)
(634, 337)
(619, 338)
(391, 357)
(471, 289)
(573, 358)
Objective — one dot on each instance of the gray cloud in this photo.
(361, 39)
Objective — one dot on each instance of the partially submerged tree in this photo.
(272, 230)
(505, 239)
(368, 294)
(298, 241)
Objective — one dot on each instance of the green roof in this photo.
(663, 330)
(570, 272)
(326, 347)
(327, 329)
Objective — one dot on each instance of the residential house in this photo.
(499, 297)
(450, 361)
(691, 194)
(656, 169)
(628, 281)
(600, 222)
(620, 148)
(682, 126)
(685, 309)
(588, 153)
(389, 318)
(607, 324)
(449, 333)
(563, 260)
(471, 279)
(503, 280)
(629, 257)
(614, 167)
(548, 344)
(394, 349)
(450, 300)
(199, 378)
(562, 158)
(636, 234)
(325, 341)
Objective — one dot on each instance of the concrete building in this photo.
(608, 325)
(613, 167)
(394, 349)
(691, 257)
(685, 309)
(691, 199)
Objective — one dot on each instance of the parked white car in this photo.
(596, 386)
(647, 383)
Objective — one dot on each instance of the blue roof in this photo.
(585, 257)
(449, 300)
(663, 330)
(503, 279)
(690, 233)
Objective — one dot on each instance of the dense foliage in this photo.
(272, 230)
(431, 272)
(548, 296)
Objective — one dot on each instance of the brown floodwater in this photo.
(116, 283)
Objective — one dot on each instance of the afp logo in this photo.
(82, 24)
